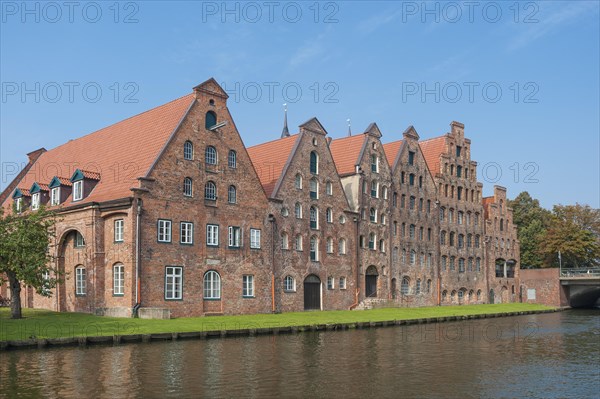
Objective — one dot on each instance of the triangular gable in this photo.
(373, 130)
(59, 181)
(78, 175)
(36, 188)
(411, 133)
(18, 193)
(313, 125)
(211, 87)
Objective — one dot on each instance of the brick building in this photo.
(168, 214)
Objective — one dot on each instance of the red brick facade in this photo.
(196, 224)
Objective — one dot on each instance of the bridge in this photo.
(581, 286)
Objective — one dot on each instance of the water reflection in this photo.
(550, 355)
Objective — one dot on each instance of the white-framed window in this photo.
(210, 191)
(164, 230)
(188, 187)
(188, 151)
(342, 283)
(314, 188)
(186, 235)
(314, 218)
(247, 285)
(372, 241)
(80, 281)
(35, 201)
(235, 236)
(19, 204)
(298, 210)
(374, 163)
(255, 238)
(418, 287)
(232, 159)
(289, 284)
(79, 241)
(55, 196)
(212, 235)
(212, 285)
(298, 182)
(118, 279)
(384, 192)
(329, 188)
(374, 189)
(210, 155)
(78, 190)
(314, 249)
(329, 245)
(405, 286)
(329, 215)
(330, 283)
(342, 246)
(232, 195)
(413, 257)
(285, 241)
(119, 228)
(314, 163)
(298, 243)
(373, 215)
(173, 282)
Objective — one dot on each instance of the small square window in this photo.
(254, 238)
(164, 230)
(212, 235)
(186, 235)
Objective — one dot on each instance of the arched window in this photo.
(314, 218)
(470, 265)
(443, 238)
(284, 240)
(329, 245)
(373, 215)
(314, 188)
(395, 255)
(210, 191)
(298, 243)
(298, 182)
(188, 150)
(442, 214)
(329, 215)
(314, 163)
(372, 239)
(211, 119)
(418, 287)
(188, 187)
(314, 249)
(477, 239)
(403, 256)
(478, 264)
(403, 201)
(413, 257)
(479, 295)
(405, 286)
(461, 241)
(383, 219)
(118, 279)
(232, 195)
(232, 159)
(289, 284)
(452, 234)
(411, 231)
(80, 281)
(411, 179)
(444, 262)
(329, 188)
(452, 262)
(382, 245)
(420, 181)
(501, 224)
(461, 265)
(374, 163)
(384, 191)
(210, 155)
(428, 286)
(298, 210)
(411, 204)
(212, 285)
(342, 246)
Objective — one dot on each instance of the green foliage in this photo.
(574, 230)
(25, 252)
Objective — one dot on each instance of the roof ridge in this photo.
(432, 138)
(272, 141)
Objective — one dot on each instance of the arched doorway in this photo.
(371, 282)
(312, 293)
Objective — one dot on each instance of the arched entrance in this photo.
(312, 293)
(371, 282)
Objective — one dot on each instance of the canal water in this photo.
(555, 355)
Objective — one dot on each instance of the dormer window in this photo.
(55, 196)
(19, 204)
(20, 199)
(78, 190)
(83, 183)
(35, 201)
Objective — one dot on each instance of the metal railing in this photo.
(581, 272)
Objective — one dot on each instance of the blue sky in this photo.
(523, 77)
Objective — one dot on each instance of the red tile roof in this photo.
(119, 153)
(391, 151)
(432, 149)
(64, 181)
(345, 152)
(270, 158)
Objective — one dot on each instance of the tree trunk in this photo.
(15, 296)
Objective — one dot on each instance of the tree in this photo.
(532, 223)
(574, 232)
(25, 256)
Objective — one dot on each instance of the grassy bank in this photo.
(46, 324)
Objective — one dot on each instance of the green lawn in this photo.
(47, 324)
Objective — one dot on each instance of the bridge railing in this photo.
(581, 272)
